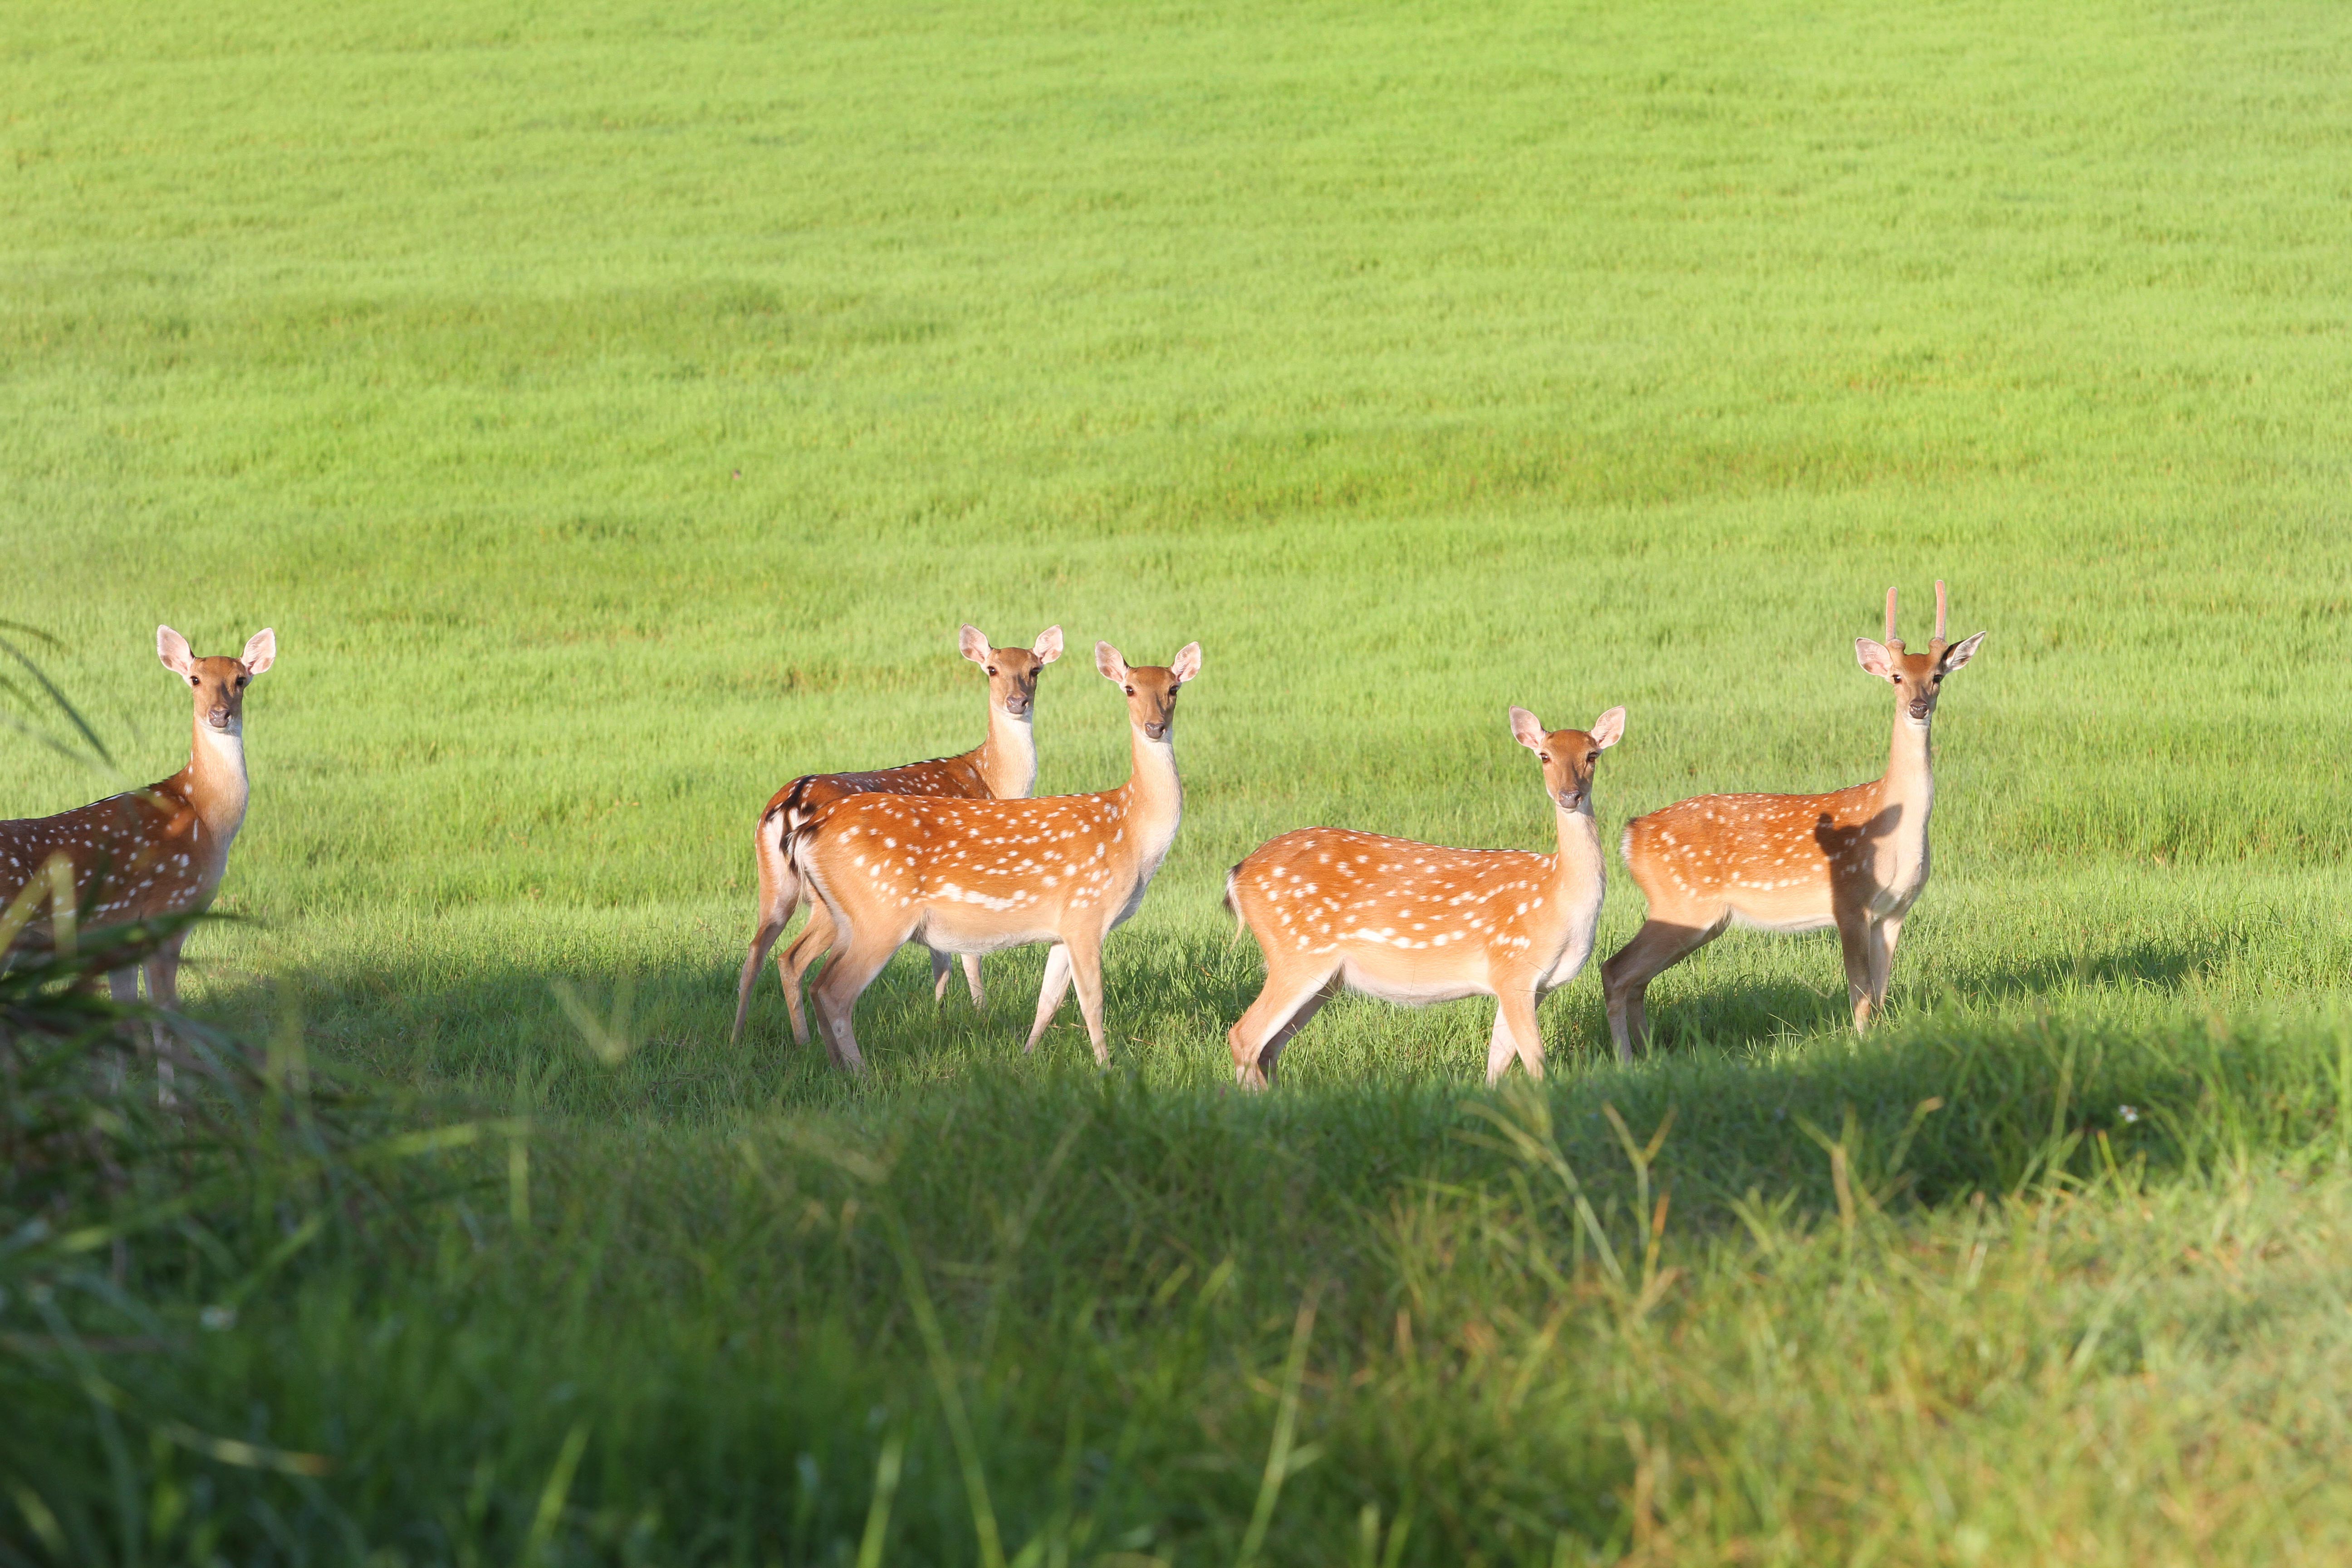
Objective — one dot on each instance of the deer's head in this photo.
(217, 684)
(1917, 677)
(1012, 671)
(1568, 757)
(1151, 689)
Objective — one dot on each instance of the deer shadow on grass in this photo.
(1747, 1012)
(483, 1039)
(664, 1026)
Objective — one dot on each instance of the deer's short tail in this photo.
(1233, 903)
(773, 844)
(779, 881)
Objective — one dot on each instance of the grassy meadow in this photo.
(616, 410)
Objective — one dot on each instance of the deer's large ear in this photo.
(260, 651)
(1961, 653)
(1049, 645)
(1106, 660)
(172, 650)
(1609, 729)
(973, 644)
(1188, 663)
(1874, 658)
(1524, 729)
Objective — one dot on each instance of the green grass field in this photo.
(616, 410)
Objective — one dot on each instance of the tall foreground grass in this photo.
(1957, 1297)
(615, 411)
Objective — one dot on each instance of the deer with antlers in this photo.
(1002, 767)
(1414, 924)
(148, 853)
(1855, 858)
(975, 876)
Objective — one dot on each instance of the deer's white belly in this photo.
(1406, 988)
(942, 932)
(1809, 920)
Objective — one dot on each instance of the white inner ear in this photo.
(1962, 654)
(974, 645)
(1872, 658)
(1609, 728)
(1049, 645)
(1106, 660)
(260, 651)
(1525, 729)
(1188, 663)
(172, 650)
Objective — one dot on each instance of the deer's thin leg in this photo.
(799, 954)
(164, 991)
(942, 967)
(1855, 940)
(844, 980)
(1049, 994)
(1282, 1007)
(1881, 960)
(1271, 1052)
(779, 889)
(972, 978)
(1515, 1033)
(1085, 968)
(122, 985)
(762, 940)
(1625, 978)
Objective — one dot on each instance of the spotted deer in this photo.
(1002, 767)
(155, 852)
(1855, 858)
(1413, 923)
(975, 876)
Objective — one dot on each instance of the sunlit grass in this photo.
(616, 413)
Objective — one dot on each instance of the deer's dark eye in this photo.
(1131, 692)
(1896, 679)
(1543, 756)
(241, 681)
(992, 669)
(196, 680)
(1591, 758)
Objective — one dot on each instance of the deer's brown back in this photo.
(1715, 840)
(134, 856)
(947, 777)
(1322, 887)
(1070, 849)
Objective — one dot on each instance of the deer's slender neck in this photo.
(1908, 776)
(216, 782)
(1008, 758)
(1580, 844)
(1155, 794)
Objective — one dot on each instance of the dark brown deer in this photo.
(148, 853)
(1002, 767)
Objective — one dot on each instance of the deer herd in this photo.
(957, 855)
